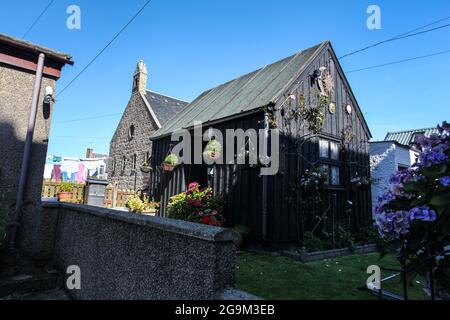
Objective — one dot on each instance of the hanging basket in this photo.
(168, 167)
(170, 162)
(212, 155)
(146, 169)
(361, 184)
(213, 150)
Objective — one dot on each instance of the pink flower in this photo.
(193, 185)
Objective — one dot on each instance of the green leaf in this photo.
(434, 171)
(441, 199)
(413, 186)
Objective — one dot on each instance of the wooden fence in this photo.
(117, 197)
(51, 189)
(113, 197)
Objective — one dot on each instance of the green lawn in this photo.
(283, 278)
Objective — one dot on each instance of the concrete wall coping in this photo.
(196, 230)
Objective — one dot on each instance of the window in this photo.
(324, 148)
(334, 150)
(328, 149)
(124, 163)
(131, 132)
(113, 169)
(102, 170)
(326, 169)
(335, 176)
(331, 165)
(134, 162)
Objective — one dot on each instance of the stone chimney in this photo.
(89, 153)
(140, 78)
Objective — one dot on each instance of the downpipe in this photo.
(264, 178)
(27, 152)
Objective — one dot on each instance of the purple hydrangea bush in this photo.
(413, 216)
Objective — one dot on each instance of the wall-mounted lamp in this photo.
(48, 95)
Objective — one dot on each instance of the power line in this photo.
(105, 47)
(399, 61)
(89, 118)
(37, 19)
(401, 36)
(427, 25)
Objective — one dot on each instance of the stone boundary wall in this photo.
(131, 256)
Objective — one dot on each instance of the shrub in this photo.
(312, 243)
(414, 215)
(66, 186)
(149, 204)
(197, 205)
(313, 179)
(135, 205)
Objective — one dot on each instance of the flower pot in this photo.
(65, 196)
(212, 156)
(168, 167)
(146, 169)
(149, 212)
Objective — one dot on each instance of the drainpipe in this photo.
(27, 150)
(264, 177)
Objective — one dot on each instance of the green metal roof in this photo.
(406, 137)
(243, 94)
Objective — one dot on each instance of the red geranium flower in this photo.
(206, 220)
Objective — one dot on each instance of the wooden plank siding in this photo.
(242, 189)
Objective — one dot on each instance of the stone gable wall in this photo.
(136, 114)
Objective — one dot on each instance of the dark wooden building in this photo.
(269, 205)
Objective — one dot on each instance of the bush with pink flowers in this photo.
(197, 205)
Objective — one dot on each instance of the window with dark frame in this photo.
(330, 161)
(134, 162)
(124, 163)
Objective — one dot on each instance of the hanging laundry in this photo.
(81, 174)
(56, 175)
(69, 166)
(48, 170)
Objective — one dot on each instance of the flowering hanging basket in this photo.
(361, 183)
(170, 162)
(168, 167)
(146, 168)
(213, 150)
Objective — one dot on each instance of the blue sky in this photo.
(192, 45)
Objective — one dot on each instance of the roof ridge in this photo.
(165, 95)
(317, 49)
(412, 130)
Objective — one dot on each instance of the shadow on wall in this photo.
(12, 147)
